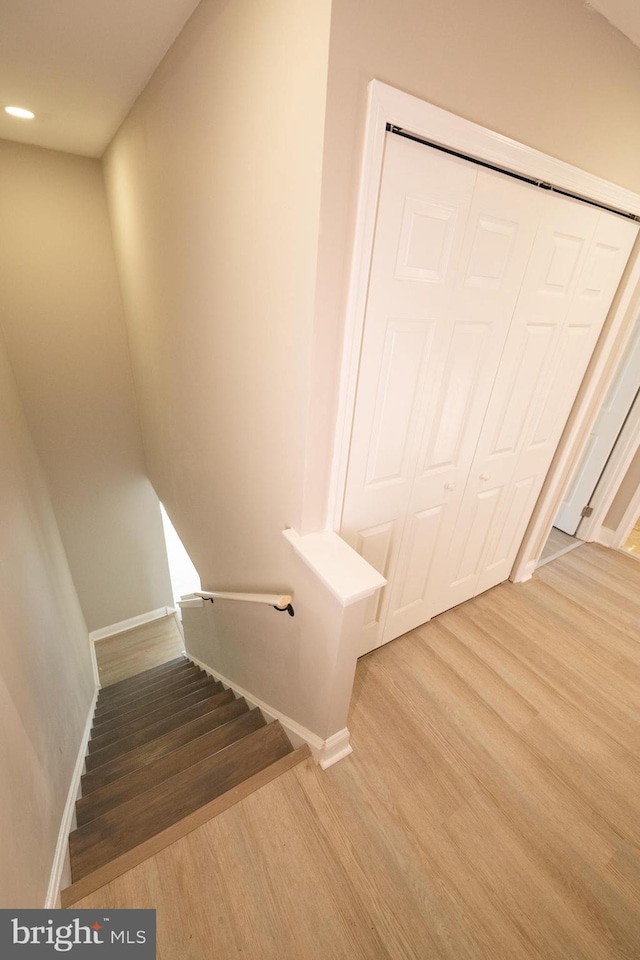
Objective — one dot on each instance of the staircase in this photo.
(170, 749)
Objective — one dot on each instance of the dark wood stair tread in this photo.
(149, 848)
(117, 731)
(130, 824)
(145, 675)
(108, 700)
(149, 690)
(154, 749)
(170, 749)
(144, 778)
(157, 729)
(122, 717)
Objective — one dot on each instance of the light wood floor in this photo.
(489, 811)
(139, 649)
(556, 545)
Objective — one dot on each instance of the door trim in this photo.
(389, 105)
(616, 538)
(624, 451)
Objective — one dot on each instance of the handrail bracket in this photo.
(288, 609)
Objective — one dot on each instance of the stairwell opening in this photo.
(183, 574)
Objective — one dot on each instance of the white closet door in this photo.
(487, 276)
(424, 380)
(602, 437)
(470, 315)
(575, 268)
(419, 233)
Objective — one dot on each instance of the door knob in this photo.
(450, 486)
(485, 476)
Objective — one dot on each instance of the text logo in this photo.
(79, 933)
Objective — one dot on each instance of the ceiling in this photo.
(623, 14)
(79, 65)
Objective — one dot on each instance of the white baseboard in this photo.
(335, 748)
(129, 624)
(66, 824)
(526, 573)
(94, 665)
(606, 537)
(324, 752)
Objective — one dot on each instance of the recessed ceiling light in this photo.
(20, 112)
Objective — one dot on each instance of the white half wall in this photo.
(299, 669)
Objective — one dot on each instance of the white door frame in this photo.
(616, 538)
(388, 105)
(628, 521)
(626, 446)
(623, 453)
(617, 451)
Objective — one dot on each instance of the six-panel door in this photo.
(486, 297)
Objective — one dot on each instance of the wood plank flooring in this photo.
(489, 810)
(557, 543)
(141, 648)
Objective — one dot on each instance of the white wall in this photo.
(552, 75)
(61, 313)
(46, 680)
(214, 191)
(213, 184)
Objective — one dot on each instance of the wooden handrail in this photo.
(281, 602)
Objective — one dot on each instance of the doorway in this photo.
(184, 576)
(558, 543)
(632, 543)
(602, 439)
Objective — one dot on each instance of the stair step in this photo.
(171, 682)
(145, 675)
(152, 751)
(119, 731)
(177, 719)
(126, 788)
(110, 695)
(115, 868)
(132, 823)
(122, 717)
